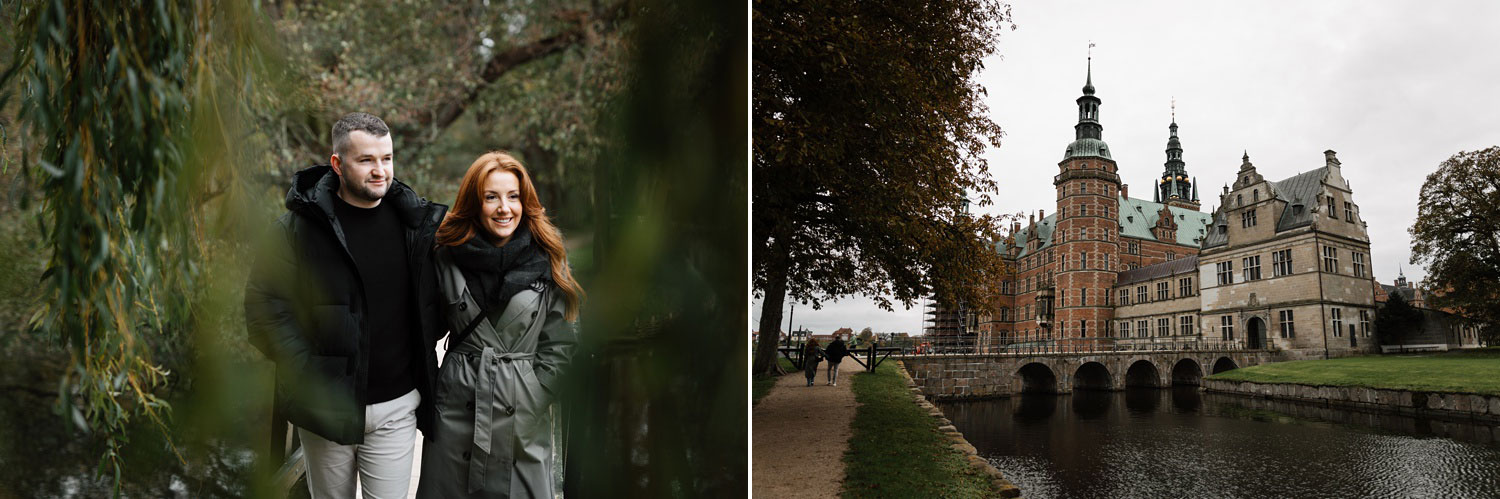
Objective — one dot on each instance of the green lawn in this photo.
(1475, 371)
(896, 449)
(762, 384)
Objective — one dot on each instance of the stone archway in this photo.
(1036, 377)
(1224, 364)
(1255, 333)
(1187, 372)
(1143, 373)
(1092, 376)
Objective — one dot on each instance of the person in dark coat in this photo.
(511, 302)
(341, 297)
(811, 355)
(836, 352)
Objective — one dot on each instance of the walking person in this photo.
(836, 352)
(340, 297)
(811, 354)
(510, 304)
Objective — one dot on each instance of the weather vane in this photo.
(1091, 49)
(1174, 109)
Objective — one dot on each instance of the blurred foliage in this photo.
(657, 395)
(870, 127)
(125, 111)
(142, 144)
(1457, 237)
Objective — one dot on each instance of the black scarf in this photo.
(494, 275)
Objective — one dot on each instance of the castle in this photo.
(1279, 265)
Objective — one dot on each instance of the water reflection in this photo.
(1184, 443)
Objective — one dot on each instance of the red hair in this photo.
(464, 220)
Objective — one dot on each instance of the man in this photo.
(836, 352)
(341, 297)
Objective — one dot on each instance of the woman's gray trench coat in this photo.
(500, 381)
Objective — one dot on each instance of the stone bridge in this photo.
(958, 376)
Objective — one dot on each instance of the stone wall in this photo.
(1432, 404)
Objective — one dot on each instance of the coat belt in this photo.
(490, 361)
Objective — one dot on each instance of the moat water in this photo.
(1181, 442)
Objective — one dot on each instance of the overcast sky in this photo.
(1394, 87)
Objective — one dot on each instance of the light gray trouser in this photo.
(383, 460)
(833, 371)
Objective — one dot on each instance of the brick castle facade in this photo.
(1278, 264)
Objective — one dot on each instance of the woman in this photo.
(510, 301)
(836, 352)
(811, 354)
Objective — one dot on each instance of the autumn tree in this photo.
(867, 142)
(1457, 236)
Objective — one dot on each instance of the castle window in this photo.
(1247, 219)
(1140, 294)
(1239, 199)
(1124, 297)
(1364, 323)
(1163, 290)
(1251, 267)
(1226, 327)
(1226, 272)
(1141, 329)
(1348, 211)
(1288, 328)
(1164, 327)
(1124, 329)
(1185, 286)
(1330, 259)
(1281, 262)
(1332, 212)
(1255, 195)
(1359, 264)
(1338, 322)
(1133, 248)
(1185, 325)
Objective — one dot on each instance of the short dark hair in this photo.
(364, 122)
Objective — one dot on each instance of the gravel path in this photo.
(800, 434)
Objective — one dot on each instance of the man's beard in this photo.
(364, 191)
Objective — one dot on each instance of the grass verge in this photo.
(1467, 371)
(897, 450)
(762, 383)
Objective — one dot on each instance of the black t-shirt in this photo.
(378, 244)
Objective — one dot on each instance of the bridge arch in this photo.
(1092, 375)
(1037, 377)
(1143, 373)
(1187, 372)
(1224, 364)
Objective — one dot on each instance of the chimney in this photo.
(1042, 215)
(1124, 190)
(1330, 158)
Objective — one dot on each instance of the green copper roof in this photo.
(1087, 148)
(1138, 216)
(1041, 230)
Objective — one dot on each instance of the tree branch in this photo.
(502, 63)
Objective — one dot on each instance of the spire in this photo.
(1088, 133)
(1195, 189)
(1088, 84)
(1174, 182)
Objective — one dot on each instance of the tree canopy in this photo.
(868, 135)
(1457, 236)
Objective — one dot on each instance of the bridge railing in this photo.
(922, 347)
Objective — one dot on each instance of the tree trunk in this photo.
(770, 311)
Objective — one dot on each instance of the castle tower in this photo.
(1175, 188)
(1087, 234)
